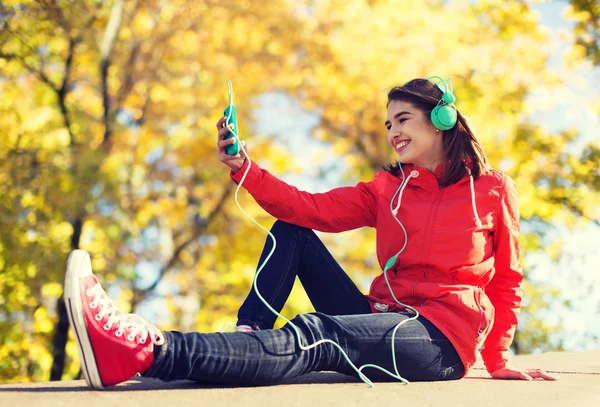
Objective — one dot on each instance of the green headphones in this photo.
(444, 116)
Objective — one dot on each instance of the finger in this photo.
(227, 157)
(224, 131)
(520, 375)
(226, 142)
(541, 374)
(220, 122)
(511, 374)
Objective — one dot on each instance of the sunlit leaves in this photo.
(586, 14)
(137, 163)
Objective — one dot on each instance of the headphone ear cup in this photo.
(443, 117)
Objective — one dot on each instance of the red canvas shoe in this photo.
(113, 346)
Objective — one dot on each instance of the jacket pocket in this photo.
(482, 318)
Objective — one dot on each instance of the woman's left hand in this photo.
(510, 372)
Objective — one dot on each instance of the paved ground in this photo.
(579, 385)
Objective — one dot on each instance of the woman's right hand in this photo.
(235, 162)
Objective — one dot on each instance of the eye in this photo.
(388, 127)
(402, 120)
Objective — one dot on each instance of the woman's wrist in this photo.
(237, 165)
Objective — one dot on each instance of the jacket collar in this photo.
(427, 178)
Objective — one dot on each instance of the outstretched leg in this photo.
(423, 353)
(114, 346)
(299, 252)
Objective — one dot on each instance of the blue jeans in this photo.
(301, 253)
(423, 353)
(343, 315)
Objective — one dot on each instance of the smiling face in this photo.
(412, 135)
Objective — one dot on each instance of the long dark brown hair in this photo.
(459, 143)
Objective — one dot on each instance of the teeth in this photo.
(402, 144)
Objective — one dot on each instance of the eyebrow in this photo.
(397, 115)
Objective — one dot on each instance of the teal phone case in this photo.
(234, 148)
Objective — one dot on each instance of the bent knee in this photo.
(284, 227)
(312, 325)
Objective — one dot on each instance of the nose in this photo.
(394, 134)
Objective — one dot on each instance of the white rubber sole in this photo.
(78, 266)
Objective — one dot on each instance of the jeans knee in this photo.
(301, 321)
(454, 372)
(312, 326)
(281, 227)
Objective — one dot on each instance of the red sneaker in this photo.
(113, 346)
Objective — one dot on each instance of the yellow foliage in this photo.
(61, 231)
(42, 323)
(52, 290)
(143, 176)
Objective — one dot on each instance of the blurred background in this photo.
(107, 143)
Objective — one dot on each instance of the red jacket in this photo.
(464, 278)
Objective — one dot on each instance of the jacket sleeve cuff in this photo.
(495, 359)
(237, 176)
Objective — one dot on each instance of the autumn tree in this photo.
(108, 124)
(108, 112)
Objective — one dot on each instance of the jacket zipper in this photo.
(435, 205)
(428, 232)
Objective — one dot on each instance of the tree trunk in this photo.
(61, 334)
(60, 341)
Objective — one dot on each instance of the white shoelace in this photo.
(135, 323)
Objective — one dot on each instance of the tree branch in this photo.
(358, 142)
(573, 208)
(128, 81)
(64, 89)
(61, 92)
(174, 259)
(40, 74)
(106, 48)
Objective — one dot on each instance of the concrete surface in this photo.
(579, 385)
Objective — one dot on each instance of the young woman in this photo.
(447, 238)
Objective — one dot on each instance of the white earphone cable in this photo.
(389, 264)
